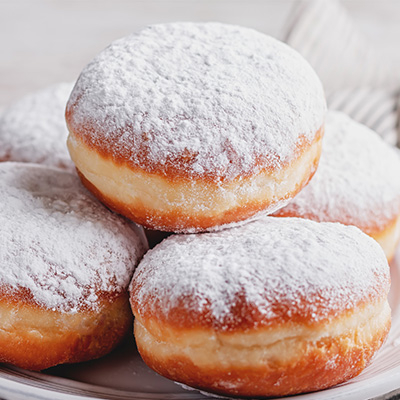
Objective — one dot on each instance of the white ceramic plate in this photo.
(122, 375)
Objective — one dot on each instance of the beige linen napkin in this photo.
(356, 78)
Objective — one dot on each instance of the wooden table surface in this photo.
(45, 41)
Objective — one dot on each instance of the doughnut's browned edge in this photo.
(372, 229)
(244, 315)
(386, 232)
(306, 372)
(36, 338)
(138, 157)
(178, 221)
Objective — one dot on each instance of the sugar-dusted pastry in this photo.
(357, 183)
(275, 307)
(66, 262)
(187, 127)
(33, 129)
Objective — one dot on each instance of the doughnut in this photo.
(357, 183)
(189, 127)
(66, 263)
(33, 129)
(275, 307)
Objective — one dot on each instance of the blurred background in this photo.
(44, 41)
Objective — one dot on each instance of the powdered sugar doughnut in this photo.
(33, 129)
(276, 307)
(185, 127)
(357, 183)
(66, 262)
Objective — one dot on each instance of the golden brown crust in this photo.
(23, 297)
(35, 338)
(309, 373)
(242, 317)
(310, 364)
(174, 167)
(175, 218)
(178, 221)
(389, 238)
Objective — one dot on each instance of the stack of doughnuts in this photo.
(201, 131)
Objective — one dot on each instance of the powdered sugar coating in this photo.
(357, 181)
(207, 99)
(273, 268)
(33, 129)
(60, 244)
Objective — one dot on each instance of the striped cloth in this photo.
(356, 79)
